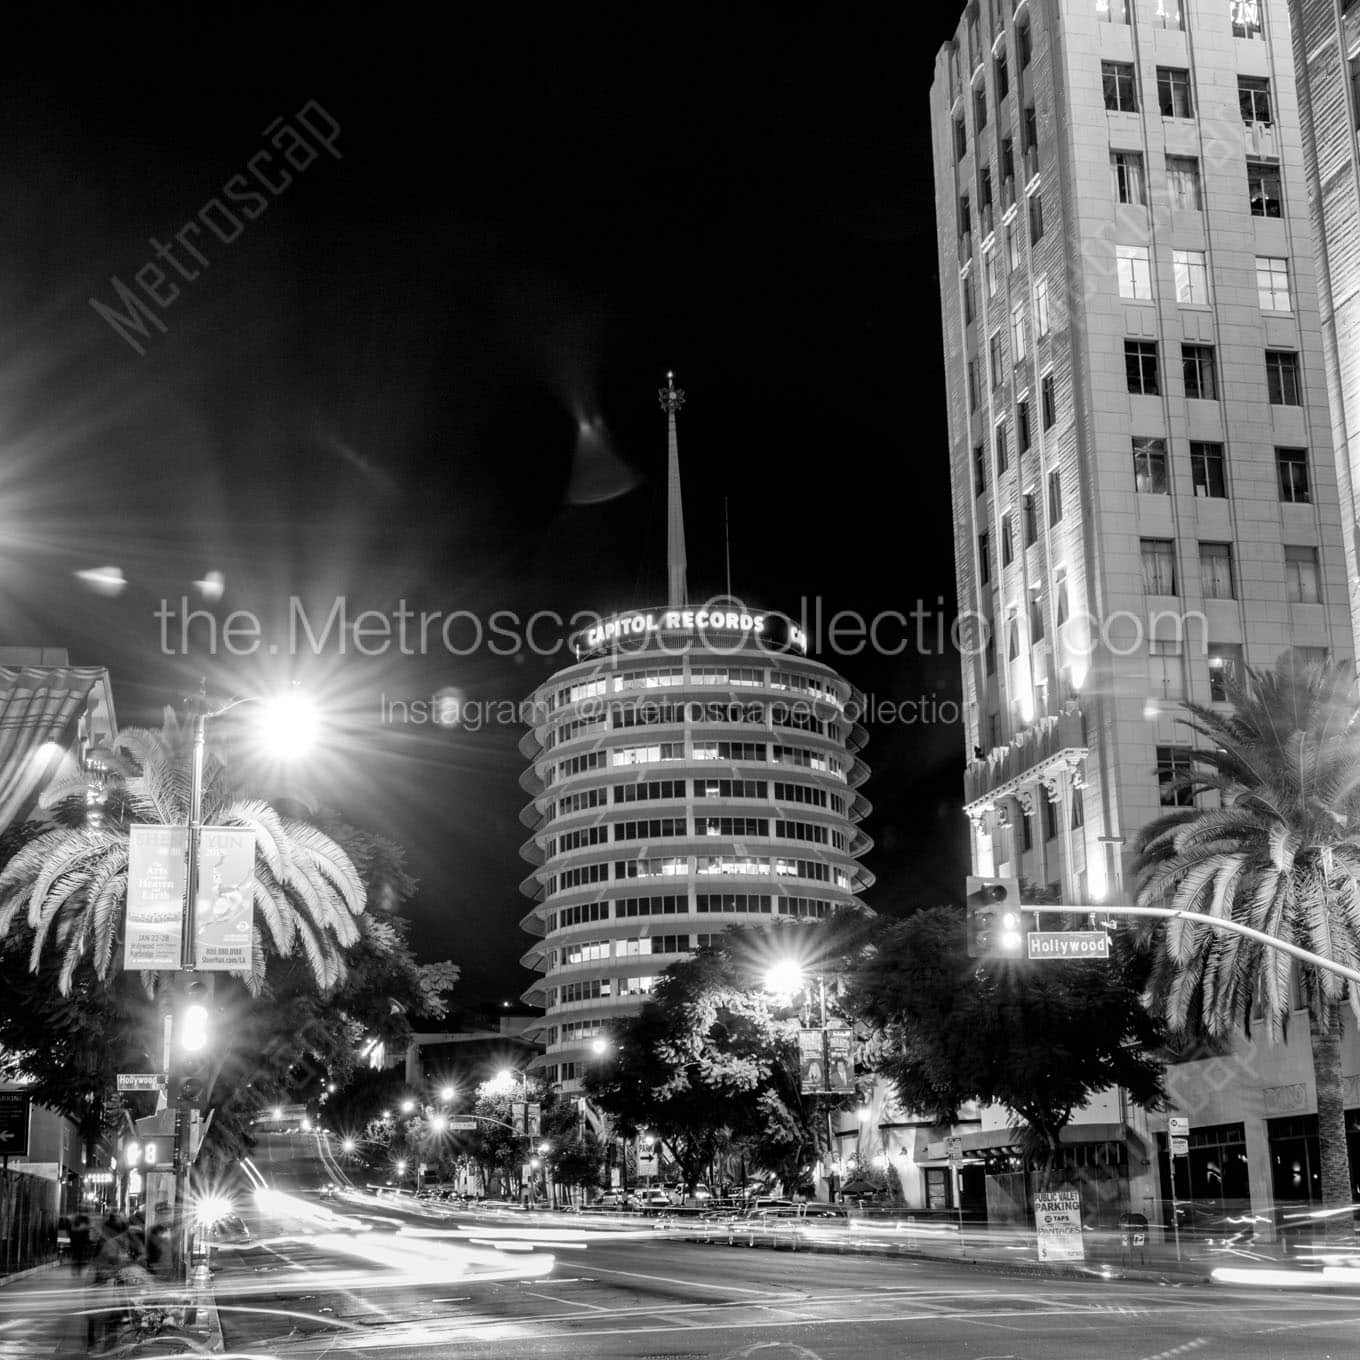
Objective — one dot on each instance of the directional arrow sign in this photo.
(1069, 944)
(141, 1081)
(14, 1110)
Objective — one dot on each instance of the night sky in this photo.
(377, 389)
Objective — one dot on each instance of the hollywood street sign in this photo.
(1069, 944)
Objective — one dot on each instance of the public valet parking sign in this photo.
(1057, 1217)
(224, 914)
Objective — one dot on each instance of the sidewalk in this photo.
(44, 1316)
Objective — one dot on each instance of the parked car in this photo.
(653, 1200)
(783, 1225)
(616, 1199)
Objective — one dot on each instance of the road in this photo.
(383, 1282)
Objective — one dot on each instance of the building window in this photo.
(1129, 185)
(1012, 640)
(1060, 611)
(1149, 467)
(1208, 470)
(1048, 401)
(1225, 670)
(1050, 805)
(1135, 272)
(1166, 670)
(1183, 185)
(1246, 18)
(985, 199)
(1031, 520)
(984, 559)
(1253, 96)
(979, 107)
(1023, 47)
(1001, 455)
(1173, 767)
(1140, 367)
(1078, 809)
(1002, 76)
(969, 304)
(1022, 435)
(1012, 248)
(994, 353)
(1041, 322)
(1173, 92)
(1007, 159)
(1201, 373)
(1263, 188)
(1293, 470)
(1282, 377)
(1272, 284)
(1216, 571)
(1301, 575)
(1169, 14)
(1055, 505)
(1112, 11)
(979, 469)
(989, 656)
(1192, 278)
(1019, 333)
(960, 139)
(1159, 565)
(1120, 94)
(974, 387)
(1036, 219)
(990, 271)
(1036, 620)
(1007, 539)
(1029, 140)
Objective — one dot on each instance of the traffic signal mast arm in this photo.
(1217, 922)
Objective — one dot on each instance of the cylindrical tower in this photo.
(691, 770)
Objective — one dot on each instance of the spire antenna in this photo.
(672, 399)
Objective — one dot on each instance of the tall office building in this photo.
(1327, 61)
(1144, 488)
(692, 769)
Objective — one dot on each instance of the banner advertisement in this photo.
(1057, 1216)
(811, 1062)
(224, 908)
(155, 897)
(518, 1113)
(535, 1120)
(840, 1061)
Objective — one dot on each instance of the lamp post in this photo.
(291, 728)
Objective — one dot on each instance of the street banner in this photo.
(517, 1118)
(811, 1062)
(840, 1062)
(535, 1119)
(1057, 1216)
(155, 897)
(224, 912)
(14, 1112)
(953, 1148)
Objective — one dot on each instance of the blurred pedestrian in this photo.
(158, 1250)
(102, 1308)
(80, 1242)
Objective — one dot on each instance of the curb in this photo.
(1092, 1272)
(205, 1335)
(27, 1272)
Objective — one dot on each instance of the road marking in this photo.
(574, 1303)
(694, 1284)
(1180, 1350)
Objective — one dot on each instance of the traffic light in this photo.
(996, 925)
(191, 1038)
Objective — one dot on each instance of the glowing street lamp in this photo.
(446, 1094)
(349, 1145)
(785, 978)
(407, 1106)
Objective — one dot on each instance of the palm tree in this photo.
(70, 878)
(1279, 852)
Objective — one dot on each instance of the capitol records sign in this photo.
(224, 906)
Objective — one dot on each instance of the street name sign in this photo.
(14, 1111)
(463, 1125)
(141, 1081)
(1057, 1216)
(1069, 944)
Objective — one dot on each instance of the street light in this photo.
(297, 726)
(446, 1094)
(407, 1106)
